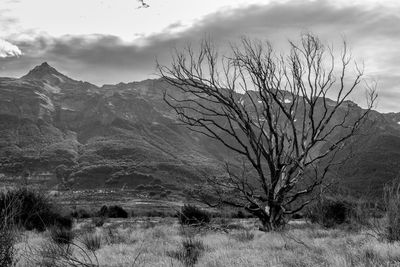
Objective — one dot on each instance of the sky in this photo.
(112, 41)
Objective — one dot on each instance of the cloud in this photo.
(372, 33)
(7, 49)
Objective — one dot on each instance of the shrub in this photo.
(62, 221)
(240, 215)
(61, 235)
(189, 253)
(329, 212)
(392, 203)
(334, 213)
(91, 241)
(31, 210)
(7, 251)
(297, 216)
(51, 254)
(117, 212)
(98, 221)
(103, 212)
(113, 212)
(81, 214)
(191, 215)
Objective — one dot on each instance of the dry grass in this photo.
(133, 243)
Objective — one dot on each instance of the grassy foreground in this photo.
(141, 242)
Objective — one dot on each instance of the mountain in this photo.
(45, 72)
(126, 135)
(107, 136)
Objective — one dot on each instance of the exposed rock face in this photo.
(125, 134)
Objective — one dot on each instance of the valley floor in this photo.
(149, 242)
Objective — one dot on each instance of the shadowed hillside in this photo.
(126, 135)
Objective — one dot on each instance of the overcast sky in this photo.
(111, 41)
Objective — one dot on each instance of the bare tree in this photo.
(274, 111)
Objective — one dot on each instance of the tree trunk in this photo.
(272, 220)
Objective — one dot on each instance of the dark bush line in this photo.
(31, 210)
(239, 214)
(112, 212)
(81, 214)
(85, 214)
(331, 212)
(157, 213)
(190, 215)
(105, 211)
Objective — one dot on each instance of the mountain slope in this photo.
(126, 135)
(110, 136)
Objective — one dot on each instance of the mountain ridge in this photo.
(125, 134)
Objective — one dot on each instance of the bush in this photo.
(392, 203)
(329, 212)
(117, 212)
(62, 221)
(113, 212)
(297, 216)
(7, 251)
(81, 214)
(98, 221)
(158, 213)
(61, 235)
(31, 210)
(189, 253)
(239, 215)
(334, 213)
(190, 215)
(51, 254)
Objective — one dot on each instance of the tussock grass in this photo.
(164, 245)
(189, 253)
(91, 241)
(61, 235)
(244, 236)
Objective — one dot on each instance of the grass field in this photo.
(161, 242)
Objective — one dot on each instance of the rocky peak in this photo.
(46, 72)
